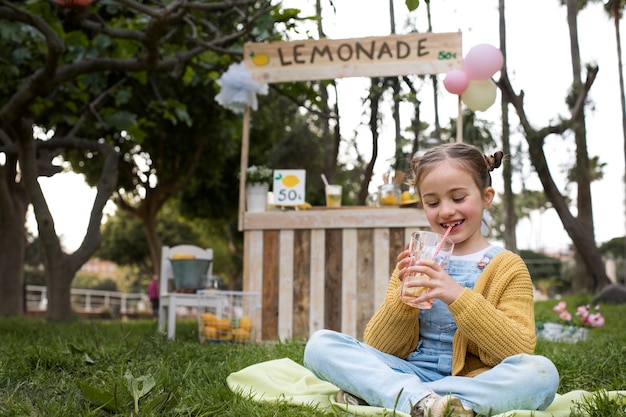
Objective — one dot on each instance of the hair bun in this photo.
(494, 161)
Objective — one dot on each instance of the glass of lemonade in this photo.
(333, 196)
(424, 246)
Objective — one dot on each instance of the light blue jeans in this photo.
(520, 382)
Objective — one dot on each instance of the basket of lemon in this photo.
(228, 316)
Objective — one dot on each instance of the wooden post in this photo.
(459, 122)
(245, 144)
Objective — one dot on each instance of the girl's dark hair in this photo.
(467, 156)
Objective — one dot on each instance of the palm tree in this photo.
(330, 135)
(615, 9)
(579, 227)
(583, 173)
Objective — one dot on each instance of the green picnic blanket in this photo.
(286, 380)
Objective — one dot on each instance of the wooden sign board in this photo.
(326, 59)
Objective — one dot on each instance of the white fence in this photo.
(91, 301)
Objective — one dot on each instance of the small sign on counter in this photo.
(288, 188)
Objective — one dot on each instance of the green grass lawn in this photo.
(106, 368)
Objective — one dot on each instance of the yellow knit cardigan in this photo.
(495, 320)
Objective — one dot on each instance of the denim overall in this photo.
(433, 355)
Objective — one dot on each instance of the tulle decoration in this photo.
(239, 90)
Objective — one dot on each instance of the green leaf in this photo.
(74, 348)
(147, 383)
(122, 96)
(87, 359)
(182, 115)
(98, 397)
(412, 4)
(121, 120)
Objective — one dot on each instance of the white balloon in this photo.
(480, 94)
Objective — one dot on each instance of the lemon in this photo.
(290, 181)
(389, 200)
(245, 323)
(260, 59)
(209, 332)
(240, 335)
(406, 196)
(226, 336)
(209, 319)
(223, 325)
(182, 256)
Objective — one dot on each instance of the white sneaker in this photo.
(343, 397)
(437, 406)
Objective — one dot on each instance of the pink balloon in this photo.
(456, 81)
(482, 61)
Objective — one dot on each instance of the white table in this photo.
(170, 302)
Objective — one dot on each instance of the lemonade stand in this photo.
(328, 267)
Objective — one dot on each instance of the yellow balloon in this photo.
(480, 94)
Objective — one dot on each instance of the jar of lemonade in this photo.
(389, 195)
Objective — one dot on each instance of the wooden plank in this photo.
(396, 245)
(349, 282)
(243, 165)
(301, 283)
(317, 277)
(332, 289)
(382, 265)
(326, 59)
(366, 290)
(269, 294)
(253, 272)
(301, 271)
(253, 261)
(285, 287)
(341, 218)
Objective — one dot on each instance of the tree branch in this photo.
(517, 100)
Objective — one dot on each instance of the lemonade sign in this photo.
(288, 187)
(326, 59)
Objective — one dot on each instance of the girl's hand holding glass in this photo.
(423, 247)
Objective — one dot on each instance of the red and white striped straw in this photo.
(443, 239)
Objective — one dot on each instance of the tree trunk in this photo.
(150, 229)
(416, 126)
(59, 266)
(12, 264)
(55, 261)
(585, 243)
(582, 279)
(13, 207)
(332, 141)
(400, 162)
(616, 14)
(374, 101)
(59, 279)
(510, 219)
(434, 80)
